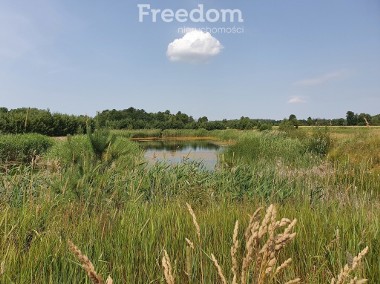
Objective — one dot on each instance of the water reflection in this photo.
(175, 152)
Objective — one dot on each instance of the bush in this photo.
(23, 147)
(77, 150)
(267, 148)
(320, 142)
(264, 126)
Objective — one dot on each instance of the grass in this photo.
(123, 214)
(22, 147)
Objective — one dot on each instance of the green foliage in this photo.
(22, 147)
(186, 132)
(122, 213)
(31, 120)
(138, 133)
(320, 141)
(352, 118)
(264, 126)
(100, 141)
(267, 148)
(72, 150)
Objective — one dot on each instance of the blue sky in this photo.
(317, 58)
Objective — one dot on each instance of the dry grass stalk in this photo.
(283, 265)
(219, 269)
(168, 271)
(190, 243)
(109, 280)
(297, 280)
(189, 263)
(344, 275)
(189, 259)
(358, 281)
(266, 256)
(251, 239)
(196, 225)
(87, 265)
(2, 268)
(259, 263)
(198, 231)
(252, 221)
(234, 251)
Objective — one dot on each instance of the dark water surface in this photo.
(175, 152)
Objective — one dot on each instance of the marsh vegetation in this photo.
(97, 191)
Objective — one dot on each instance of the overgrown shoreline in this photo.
(122, 214)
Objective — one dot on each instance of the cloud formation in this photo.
(319, 80)
(194, 46)
(296, 100)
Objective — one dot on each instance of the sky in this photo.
(317, 58)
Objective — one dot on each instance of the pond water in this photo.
(175, 152)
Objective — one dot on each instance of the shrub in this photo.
(23, 147)
(264, 126)
(320, 142)
(266, 148)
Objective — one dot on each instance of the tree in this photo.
(352, 118)
(293, 120)
(363, 119)
(309, 121)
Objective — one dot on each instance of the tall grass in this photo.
(22, 148)
(123, 214)
(127, 242)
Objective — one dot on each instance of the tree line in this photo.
(33, 120)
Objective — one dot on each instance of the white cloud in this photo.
(194, 46)
(319, 80)
(296, 100)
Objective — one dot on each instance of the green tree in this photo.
(352, 118)
(363, 118)
(293, 120)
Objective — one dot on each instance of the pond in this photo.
(176, 151)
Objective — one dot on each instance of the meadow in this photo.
(177, 224)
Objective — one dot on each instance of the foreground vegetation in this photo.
(97, 191)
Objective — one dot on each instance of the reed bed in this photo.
(123, 215)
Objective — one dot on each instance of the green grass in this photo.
(122, 213)
(22, 147)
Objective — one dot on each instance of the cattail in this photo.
(86, 264)
(167, 268)
(219, 269)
